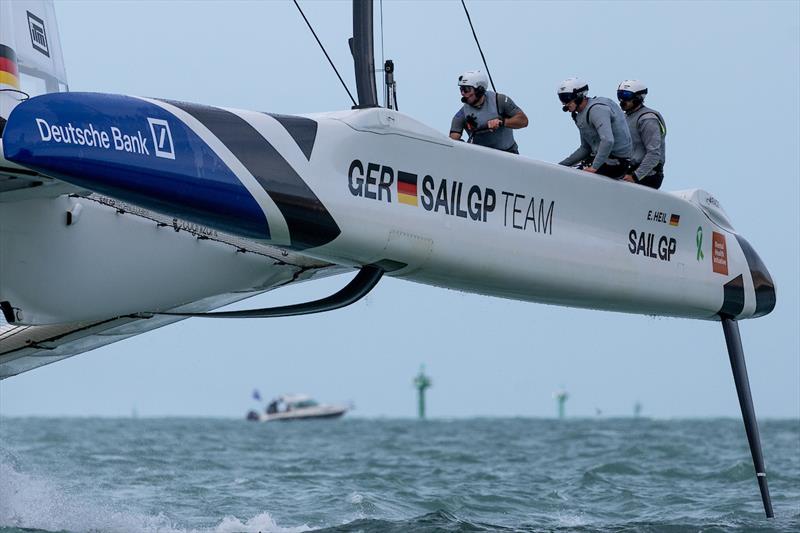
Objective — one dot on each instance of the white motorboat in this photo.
(297, 407)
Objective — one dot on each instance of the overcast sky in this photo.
(725, 76)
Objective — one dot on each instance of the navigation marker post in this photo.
(421, 382)
(561, 397)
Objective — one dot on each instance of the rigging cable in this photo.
(326, 54)
(389, 86)
(383, 61)
(479, 45)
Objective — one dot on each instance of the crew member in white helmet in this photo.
(488, 117)
(605, 140)
(648, 133)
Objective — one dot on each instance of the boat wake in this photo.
(33, 503)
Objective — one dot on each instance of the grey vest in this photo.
(502, 138)
(635, 124)
(619, 127)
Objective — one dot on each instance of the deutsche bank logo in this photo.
(38, 34)
(162, 138)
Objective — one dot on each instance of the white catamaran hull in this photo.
(375, 187)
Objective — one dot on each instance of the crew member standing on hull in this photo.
(487, 116)
(605, 140)
(648, 133)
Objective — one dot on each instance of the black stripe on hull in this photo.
(733, 302)
(762, 281)
(310, 224)
(303, 131)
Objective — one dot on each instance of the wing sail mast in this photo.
(361, 46)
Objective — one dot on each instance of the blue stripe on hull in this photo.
(134, 151)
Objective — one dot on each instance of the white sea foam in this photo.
(262, 523)
(29, 501)
(566, 519)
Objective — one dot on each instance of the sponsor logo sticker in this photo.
(699, 242)
(127, 139)
(162, 138)
(719, 255)
(38, 34)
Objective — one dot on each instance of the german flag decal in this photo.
(8, 67)
(674, 220)
(407, 188)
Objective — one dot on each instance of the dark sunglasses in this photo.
(466, 88)
(566, 97)
(625, 95)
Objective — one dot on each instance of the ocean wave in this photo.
(207, 476)
(31, 504)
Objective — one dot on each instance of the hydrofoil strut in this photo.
(736, 354)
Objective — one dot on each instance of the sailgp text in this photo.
(651, 245)
(451, 197)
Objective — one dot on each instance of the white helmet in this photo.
(474, 78)
(631, 90)
(572, 89)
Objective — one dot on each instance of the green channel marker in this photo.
(421, 382)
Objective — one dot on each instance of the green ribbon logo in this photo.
(700, 255)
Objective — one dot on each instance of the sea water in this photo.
(389, 475)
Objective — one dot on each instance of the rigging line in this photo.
(383, 61)
(326, 53)
(479, 45)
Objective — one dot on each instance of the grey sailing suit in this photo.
(648, 133)
(604, 133)
(495, 105)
